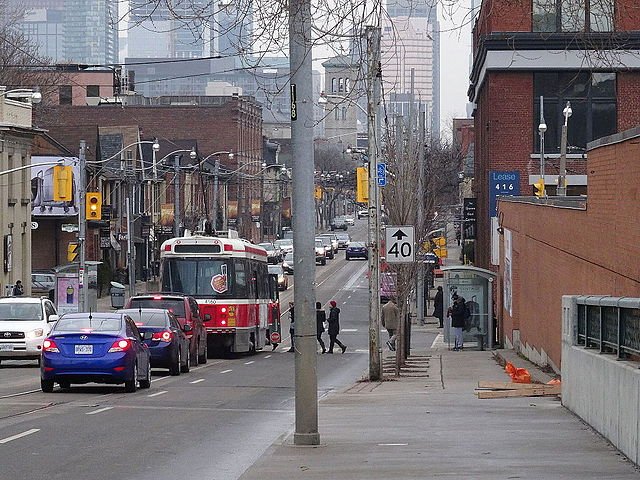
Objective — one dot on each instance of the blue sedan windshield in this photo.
(87, 324)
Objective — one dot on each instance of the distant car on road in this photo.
(343, 239)
(24, 324)
(356, 250)
(167, 341)
(95, 347)
(328, 246)
(283, 280)
(363, 213)
(43, 283)
(284, 244)
(321, 252)
(287, 263)
(338, 223)
(349, 220)
(335, 243)
(274, 254)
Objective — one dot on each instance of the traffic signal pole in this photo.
(82, 229)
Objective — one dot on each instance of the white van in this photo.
(24, 324)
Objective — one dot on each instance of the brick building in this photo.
(524, 50)
(565, 246)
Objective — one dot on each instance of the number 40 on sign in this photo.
(399, 244)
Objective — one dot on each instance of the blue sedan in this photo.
(95, 347)
(356, 250)
(168, 343)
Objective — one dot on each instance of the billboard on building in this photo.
(42, 201)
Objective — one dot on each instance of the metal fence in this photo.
(609, 324)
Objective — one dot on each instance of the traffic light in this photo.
(362, 185)
(73, 250)
(62, 183)
(539, 188)
(93, 206)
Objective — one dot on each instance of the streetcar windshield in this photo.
(201, 277)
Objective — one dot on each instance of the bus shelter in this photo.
(475, 285)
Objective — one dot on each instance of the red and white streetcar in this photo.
(230, 280)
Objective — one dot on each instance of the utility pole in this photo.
(216, 171)
(301, 82)
(420, 216)
(562, 178)
(373, 101)
(176, 196)
(83, 301)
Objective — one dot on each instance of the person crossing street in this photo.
(334, 327)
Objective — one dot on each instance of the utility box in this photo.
(117, 295)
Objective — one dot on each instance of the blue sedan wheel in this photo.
(146, 382)
(131, 385)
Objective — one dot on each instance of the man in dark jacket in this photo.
(334, 327)
(292, 327)
(458, 315)
(321, 317)
(438, 306)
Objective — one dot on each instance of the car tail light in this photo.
(157, 297)
(164, 336)
(121, 345)
(50, 346)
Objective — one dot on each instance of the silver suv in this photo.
(24, 324)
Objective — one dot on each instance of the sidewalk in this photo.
(429, 424)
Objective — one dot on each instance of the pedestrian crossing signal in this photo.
(539, 188)
(93, 206)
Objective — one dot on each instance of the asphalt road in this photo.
(212, 423)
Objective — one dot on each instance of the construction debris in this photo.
(488, 389)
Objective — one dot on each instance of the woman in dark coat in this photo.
(458, 315)
(334, 327)
(438, 307)
(321, 317)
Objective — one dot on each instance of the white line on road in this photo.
(225, 371)
(348, 329)
(161, 392)
(100, 410)
(361, 350)
(393, 444)
(20, 393)
(160, 378)
(19, 435)
(198, 381)
(248, 363)
(267, 356)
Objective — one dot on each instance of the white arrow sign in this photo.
(399, 244)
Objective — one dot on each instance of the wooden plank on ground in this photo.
(538, 391)
(506, 385)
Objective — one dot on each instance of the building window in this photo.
(64, 95)
(334, 85)
(573, 15)
(93, 91)
(347, 84)
(593, 102)
(344, 113)
(336, 113)
(341, 85)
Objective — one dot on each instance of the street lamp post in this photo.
(562, 178)
(541, 129)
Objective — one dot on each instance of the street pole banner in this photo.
(400, 244)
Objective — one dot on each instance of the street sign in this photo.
(69, 227)
(399, 244)
(34, 225)
(382, 174)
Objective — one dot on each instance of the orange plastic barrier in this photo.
(509, 368)
(521, 375)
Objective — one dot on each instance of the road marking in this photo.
(161, 392)
(356, 277)
(161, 378)
(348, 329)
(21, 393)
(248, 363)
(393, 444)
(100, 410)
(19, 435)
(438, 341)
(198, 381)
(267, 356)
(225, 371)
(361, 350)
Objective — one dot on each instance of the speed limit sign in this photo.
(399, 244)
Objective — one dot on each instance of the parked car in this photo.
(284, 244)
(283, 280)
(343, 239)
(338, 223)
(321, 252)
(167, 341)
(334, 240)
(287, 263)
(43, 283)
(356, 250)
(95, 347)
(274, 254)
(328, 246)
(363, 213)
(185, 308)
(24, 323)
(349, 220)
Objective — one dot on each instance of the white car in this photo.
(24, 324)
(285, 245)
(363, 213)
(349, 220)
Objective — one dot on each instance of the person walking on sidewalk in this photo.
(334, 327)
(390, 318)
(321, 317)
(438, 306)
(458, 315)
(292, 327)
